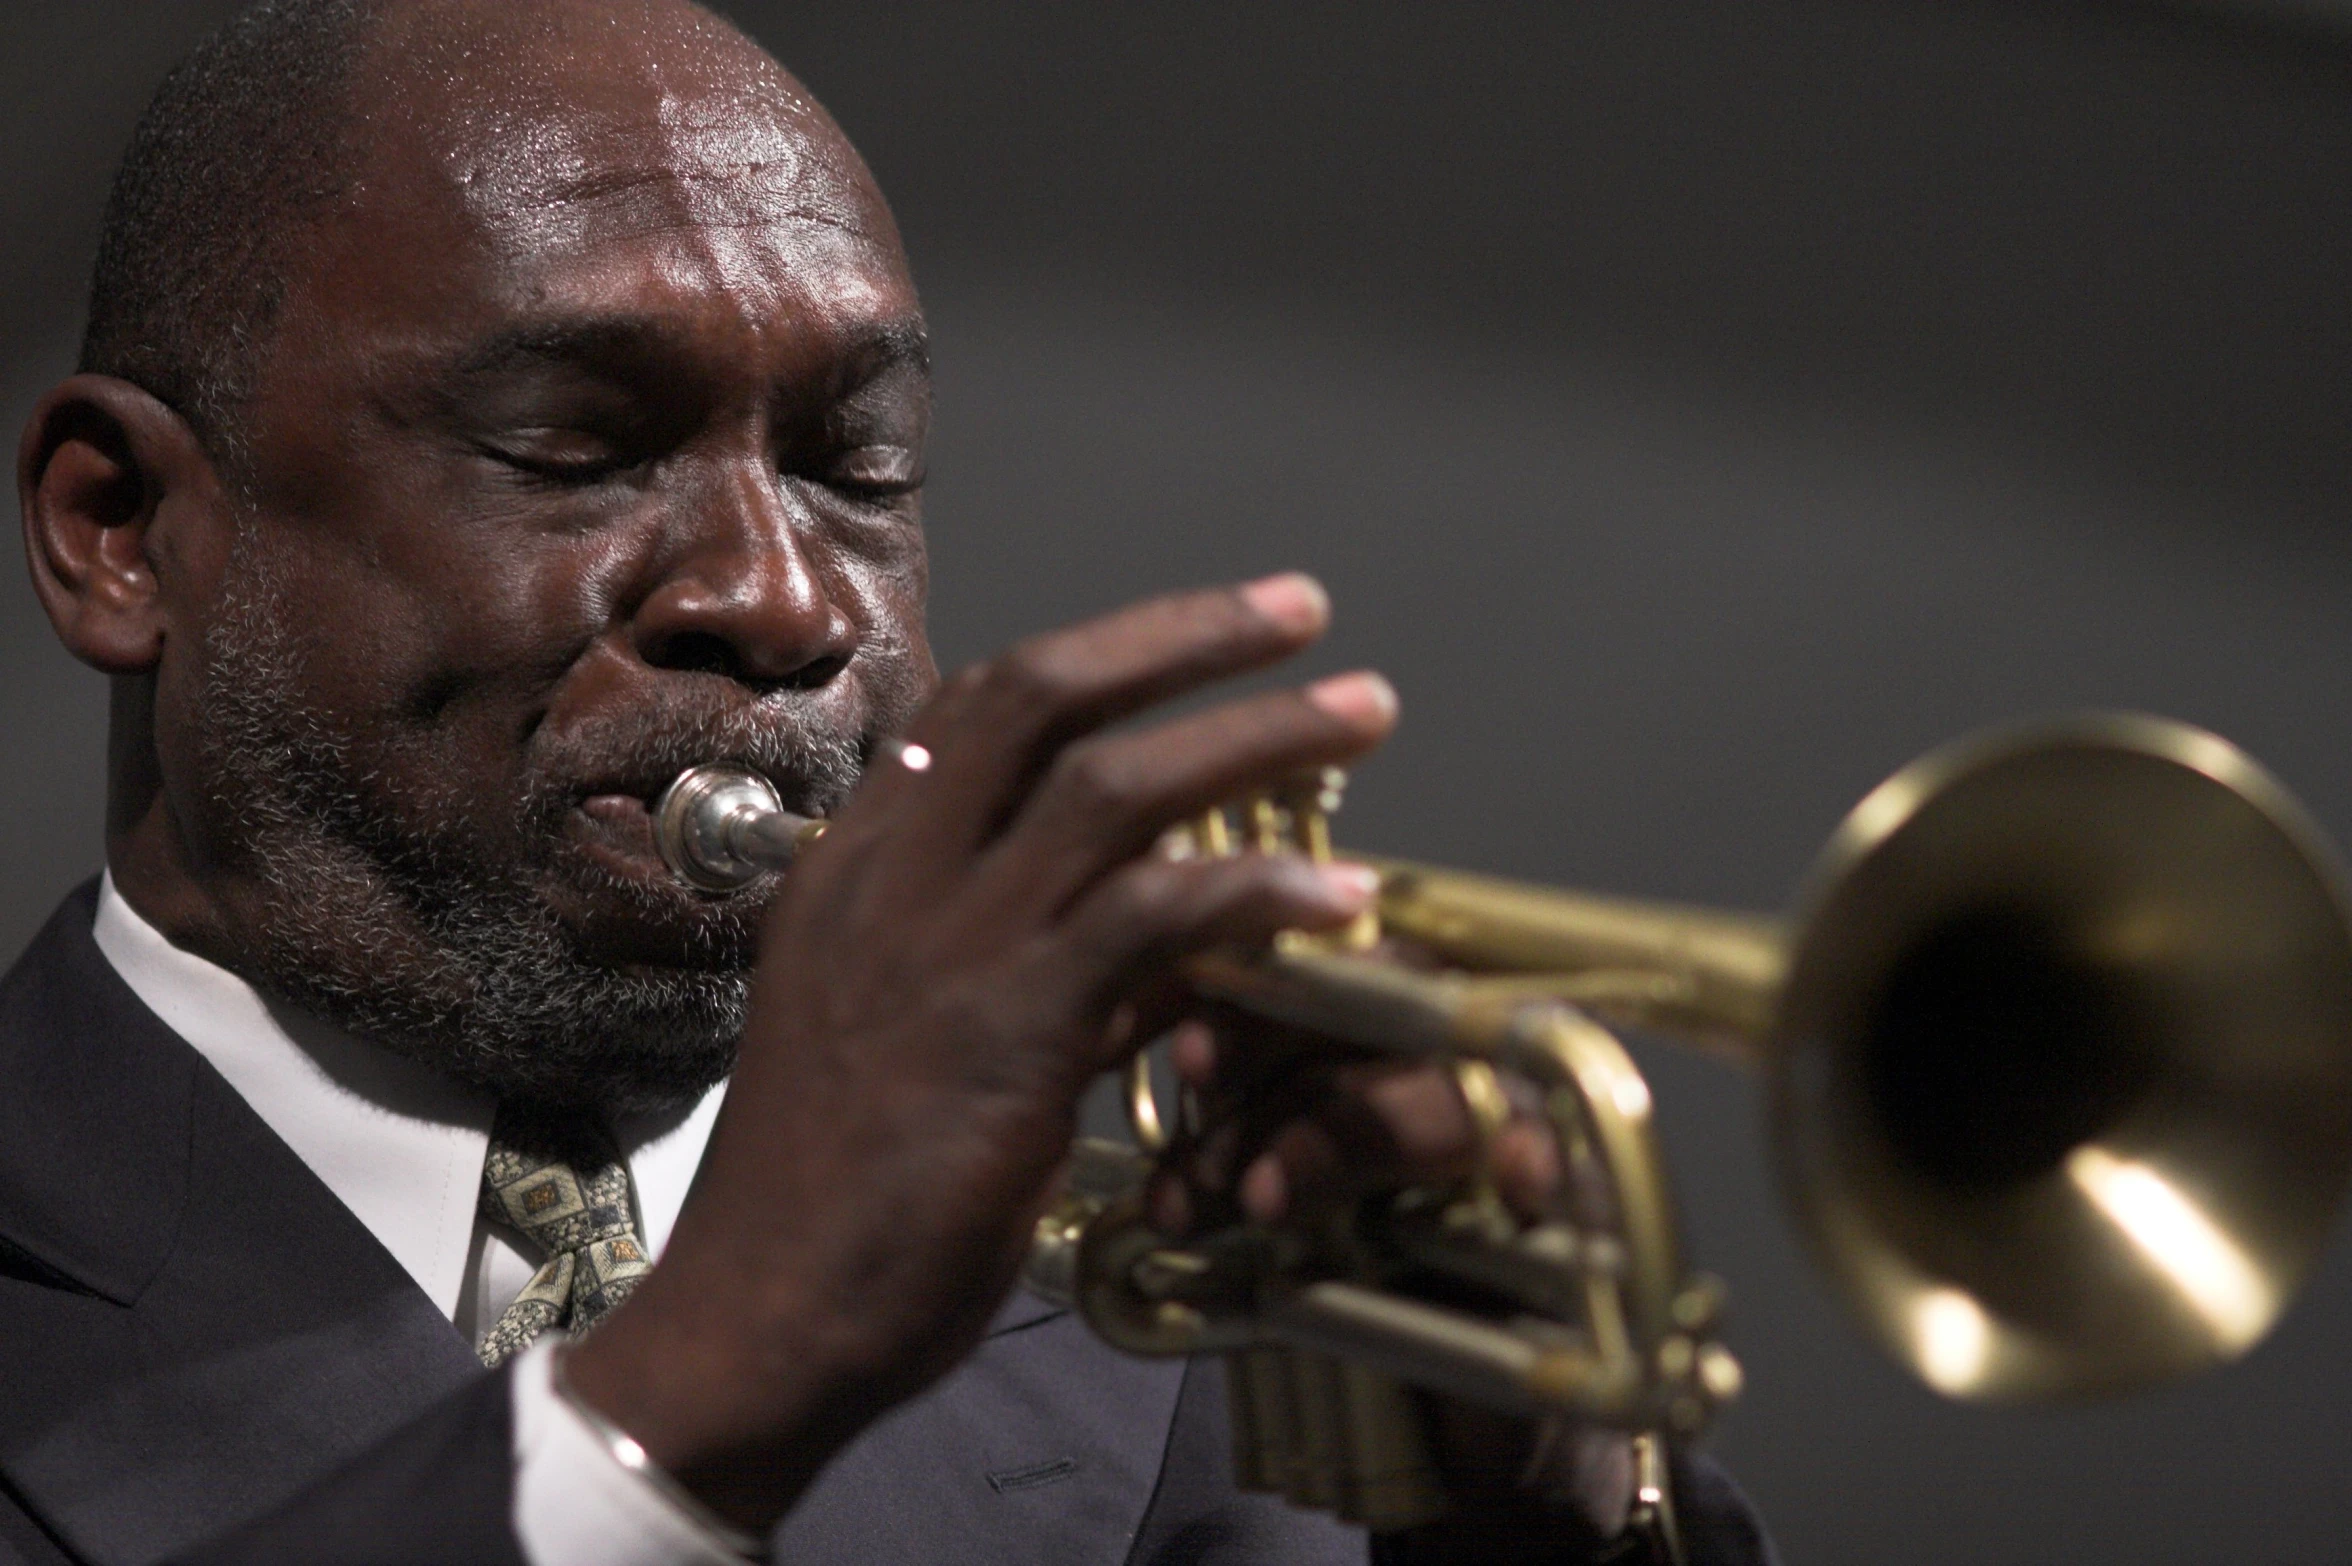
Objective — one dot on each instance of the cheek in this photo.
(913, 585)
(497, 617)
(438, 664)
(884, 591)
(878, 575)
(345, 635)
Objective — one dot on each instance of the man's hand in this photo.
(940, 980)
(1284, 1131)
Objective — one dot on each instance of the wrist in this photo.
(628, 1453)
(740, 1418)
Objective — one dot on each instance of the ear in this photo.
(104, 473)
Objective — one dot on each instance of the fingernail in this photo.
(1192, 1050)
(1265, 1192)
(1365, 699)
(1292, 600)
(1351, 886)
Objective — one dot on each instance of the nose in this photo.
(742, 596)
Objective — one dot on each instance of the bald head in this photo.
(282, 119)
(548, 117)
(239, 145)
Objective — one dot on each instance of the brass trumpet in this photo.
(2058, 1042)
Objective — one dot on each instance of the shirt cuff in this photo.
(574, 1504)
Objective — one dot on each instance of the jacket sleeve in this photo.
(438, 1492)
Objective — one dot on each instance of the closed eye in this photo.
(877, 472)
(557, 455)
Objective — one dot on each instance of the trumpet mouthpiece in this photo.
(720, 827)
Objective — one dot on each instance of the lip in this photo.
(659, 922)
(611, 821)
(617, 830)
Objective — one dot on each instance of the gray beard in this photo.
(418, 940)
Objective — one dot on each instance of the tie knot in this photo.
(561, 1183)
(564, 1185)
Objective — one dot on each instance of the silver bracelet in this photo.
(629, 1454)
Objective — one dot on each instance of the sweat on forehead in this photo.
(647, 107)
(292, 111)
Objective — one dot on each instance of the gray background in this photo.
(1696, 408)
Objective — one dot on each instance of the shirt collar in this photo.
(398, 1144)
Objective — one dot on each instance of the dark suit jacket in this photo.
(205, 1356)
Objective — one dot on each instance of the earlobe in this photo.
(101, 467)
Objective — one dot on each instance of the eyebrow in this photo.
(899, 341)
(631, 341)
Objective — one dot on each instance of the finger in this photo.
(1382, 1127)
(1211, 1163)
(1132, 927)
(1525, 1165)
(1387, 1126)
(994, 727)
(1311, 1164)
(1109, 799)
(1264, 1191)
(1429, 1129)
(1192, 1053)
(1318, 1162)
(1438, 1138)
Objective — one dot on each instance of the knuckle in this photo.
(1148, 896)
(1131, 916)
(1249, 898)
(1097, 783)
(1246, 887)
(1271, 885)
(1036, 673)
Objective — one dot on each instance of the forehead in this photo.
(548, 160)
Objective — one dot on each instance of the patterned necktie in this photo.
(562, 1184)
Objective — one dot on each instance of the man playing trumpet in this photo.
(487, 411)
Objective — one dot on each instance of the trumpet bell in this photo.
(2062, 1069)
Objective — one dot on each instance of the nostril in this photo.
(695, 652)
(702, 652)
(815, 673)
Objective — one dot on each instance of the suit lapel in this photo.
(94, 1122)
(194, 1327)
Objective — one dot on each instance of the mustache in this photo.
(814, 763)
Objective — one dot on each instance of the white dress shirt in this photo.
(402, 1147)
